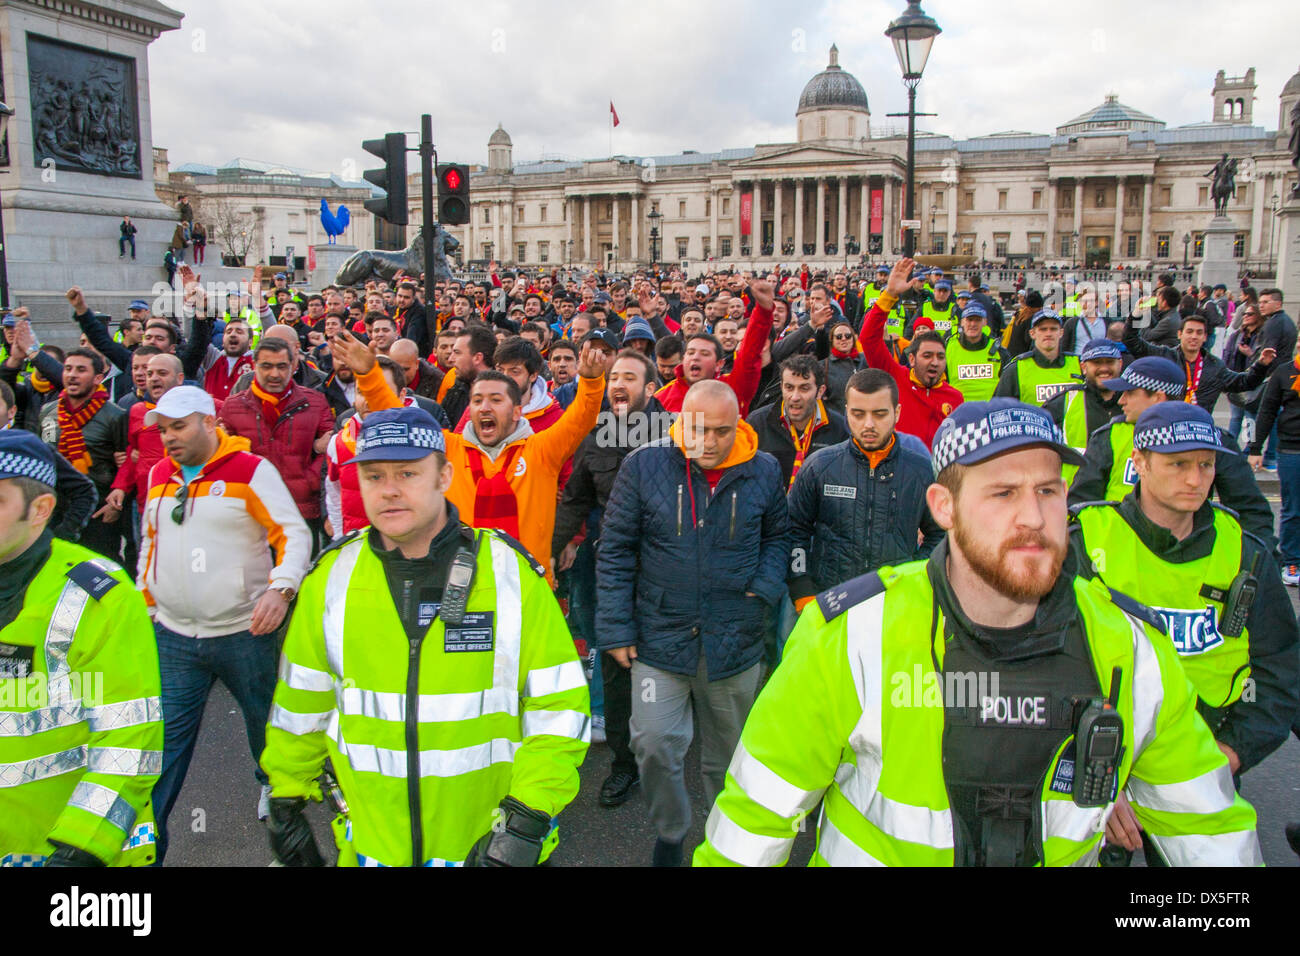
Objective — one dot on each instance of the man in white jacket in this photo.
(223, 551)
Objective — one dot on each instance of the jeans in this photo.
(122, 243)
(1288, 475)
(665, 707)
(1236, 427)
(189, 667)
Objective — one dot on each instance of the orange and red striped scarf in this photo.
(270, 403)
(1193, 377)
(72, 445)
(804, 441)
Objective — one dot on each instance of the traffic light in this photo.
(392, 178)
(453, 194)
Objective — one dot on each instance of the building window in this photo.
(609, 210)
(519, 214)
(487, 251)
(1131, 246)
(1166, 195)
(1002, 199)
(821, 126)
(487, 215)
(1198, 245)
(1162, 245)
(1038, 199)
(708, 248)
(726, 206)
(1202, 195)
(1067, 198)
(1000, 242)
(682, 246)
(724, 247)
(1239, 246)
(681, 209)
(541, 213)
(708, 206)
(1065, 245)
(543, 250)
(1133, 199)
(938, 198)
(936, 244)
(968, 245)
(1036, 245)
(521, 251)
(1101, 198)
(968, 200)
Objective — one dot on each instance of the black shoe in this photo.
(617, 788)
(666, 854)
(1293, 836)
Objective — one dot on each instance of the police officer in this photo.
(975, 357)
(920, 758)
(940, 309)
(1216, 586)
(1044, 370)
(872, 291)
(1081, 409)
(80, 723)
(1109, 474)
(282, 293)
(431, 664)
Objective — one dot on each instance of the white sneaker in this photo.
(1291, 575)
(598, 729)
(264, 803)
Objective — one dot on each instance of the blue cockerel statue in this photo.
(334, 223)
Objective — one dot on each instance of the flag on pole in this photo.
(612, 112)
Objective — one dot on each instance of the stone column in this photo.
(586, 230)
(1078, 214)
(1144, 243)
(618, 248)
(864, 214)
(820, 241)
(570, 211)
(1116, 251)
(778, 187)
(1051, 249)
(510, 229)
(468, 252)
(498, 247)
(635, 228)
(798, 220)
(889, 238)
(841, 223)
(713, 221)
(1257, 217)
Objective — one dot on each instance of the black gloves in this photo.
(292, 841)
(515, 838)
(65, 855)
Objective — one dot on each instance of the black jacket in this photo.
(28, 400)
(1073, 340)
(1280, 405)
(1278, 332)
(416, 328)
(430, 380)
(1253, 728)
(96, 329)
(1236, 362)
(847, 518)
(104, 434)
(1234, 482)
(1216, 378)
(774, 437)
(1164, 331)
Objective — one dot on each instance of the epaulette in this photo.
(835, 601)
(93, 577)
(524, 552)
(334, 546)
(1076, 508)
(1138, 610)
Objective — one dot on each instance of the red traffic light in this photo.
(452, 178)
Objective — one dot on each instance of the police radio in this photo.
(1098, 747)
(1241, 597)
(455, 593)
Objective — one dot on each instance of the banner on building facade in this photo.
(877, 210)
(746, 213)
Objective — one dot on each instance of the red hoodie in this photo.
(744, 375)
(144, 449)
(923, 409)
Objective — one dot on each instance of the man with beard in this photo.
(792, 429)
(634, 418)
(1081, 409)
(471, 354)
(920, 759)
(1166, 545)
(217, 369)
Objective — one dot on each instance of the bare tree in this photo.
(233, 229)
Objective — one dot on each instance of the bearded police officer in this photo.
(885, 703)
(1044, 370)
(431, 664)
(80, 724)
(975, 356)
(1109, 473)
(1081, 409)
(1216, 586)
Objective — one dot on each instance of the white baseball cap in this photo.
(179, 402)
(702, 289)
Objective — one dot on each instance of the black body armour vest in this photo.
(999, 746)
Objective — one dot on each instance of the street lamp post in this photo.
(912, 34)
(1187, 238)
(984, 253)
(1074, 248)
(570, 254)
(847, 237)
(654, 216)
(1272, 223)
(6, 111)
(934, 208)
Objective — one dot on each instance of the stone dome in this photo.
(1292, 85)
(833, 88)
(499, 137)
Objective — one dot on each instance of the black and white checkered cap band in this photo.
(400, 435)
(1177, 434)
(1010, 427)
(13, 465)
(1172, 389)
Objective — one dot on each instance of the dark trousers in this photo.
(199, 249)
(105, 538)
(122, 244)
(189, 667)
(617, 682)
(1288, 476)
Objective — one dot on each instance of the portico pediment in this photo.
(818, 157)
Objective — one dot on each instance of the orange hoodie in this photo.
(742, 450)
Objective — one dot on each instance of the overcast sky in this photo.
(303, 83)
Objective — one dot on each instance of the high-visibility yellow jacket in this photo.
(81, 734)
(502, 705)
(832, 723)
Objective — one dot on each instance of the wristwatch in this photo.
(288, 593)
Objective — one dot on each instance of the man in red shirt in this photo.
(702, 357)
(925, 397)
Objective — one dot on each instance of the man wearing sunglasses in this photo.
(223, 551)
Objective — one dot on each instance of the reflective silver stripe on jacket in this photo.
(1148, 689)
(124, 761)
(509, 623)
(298, 677)
(767, 788)
(28, 722)
(433, 708)
(336, 602)
(103, 802)
(1211, 792)
(1065, 820)
(554, 680)
(58, 640)
(38, 768)
(433, 763)
(902, 821)
(838, 850)
(299, 724)
(557, 723)
(742, 846)
(1210, 849)
(126, 713)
